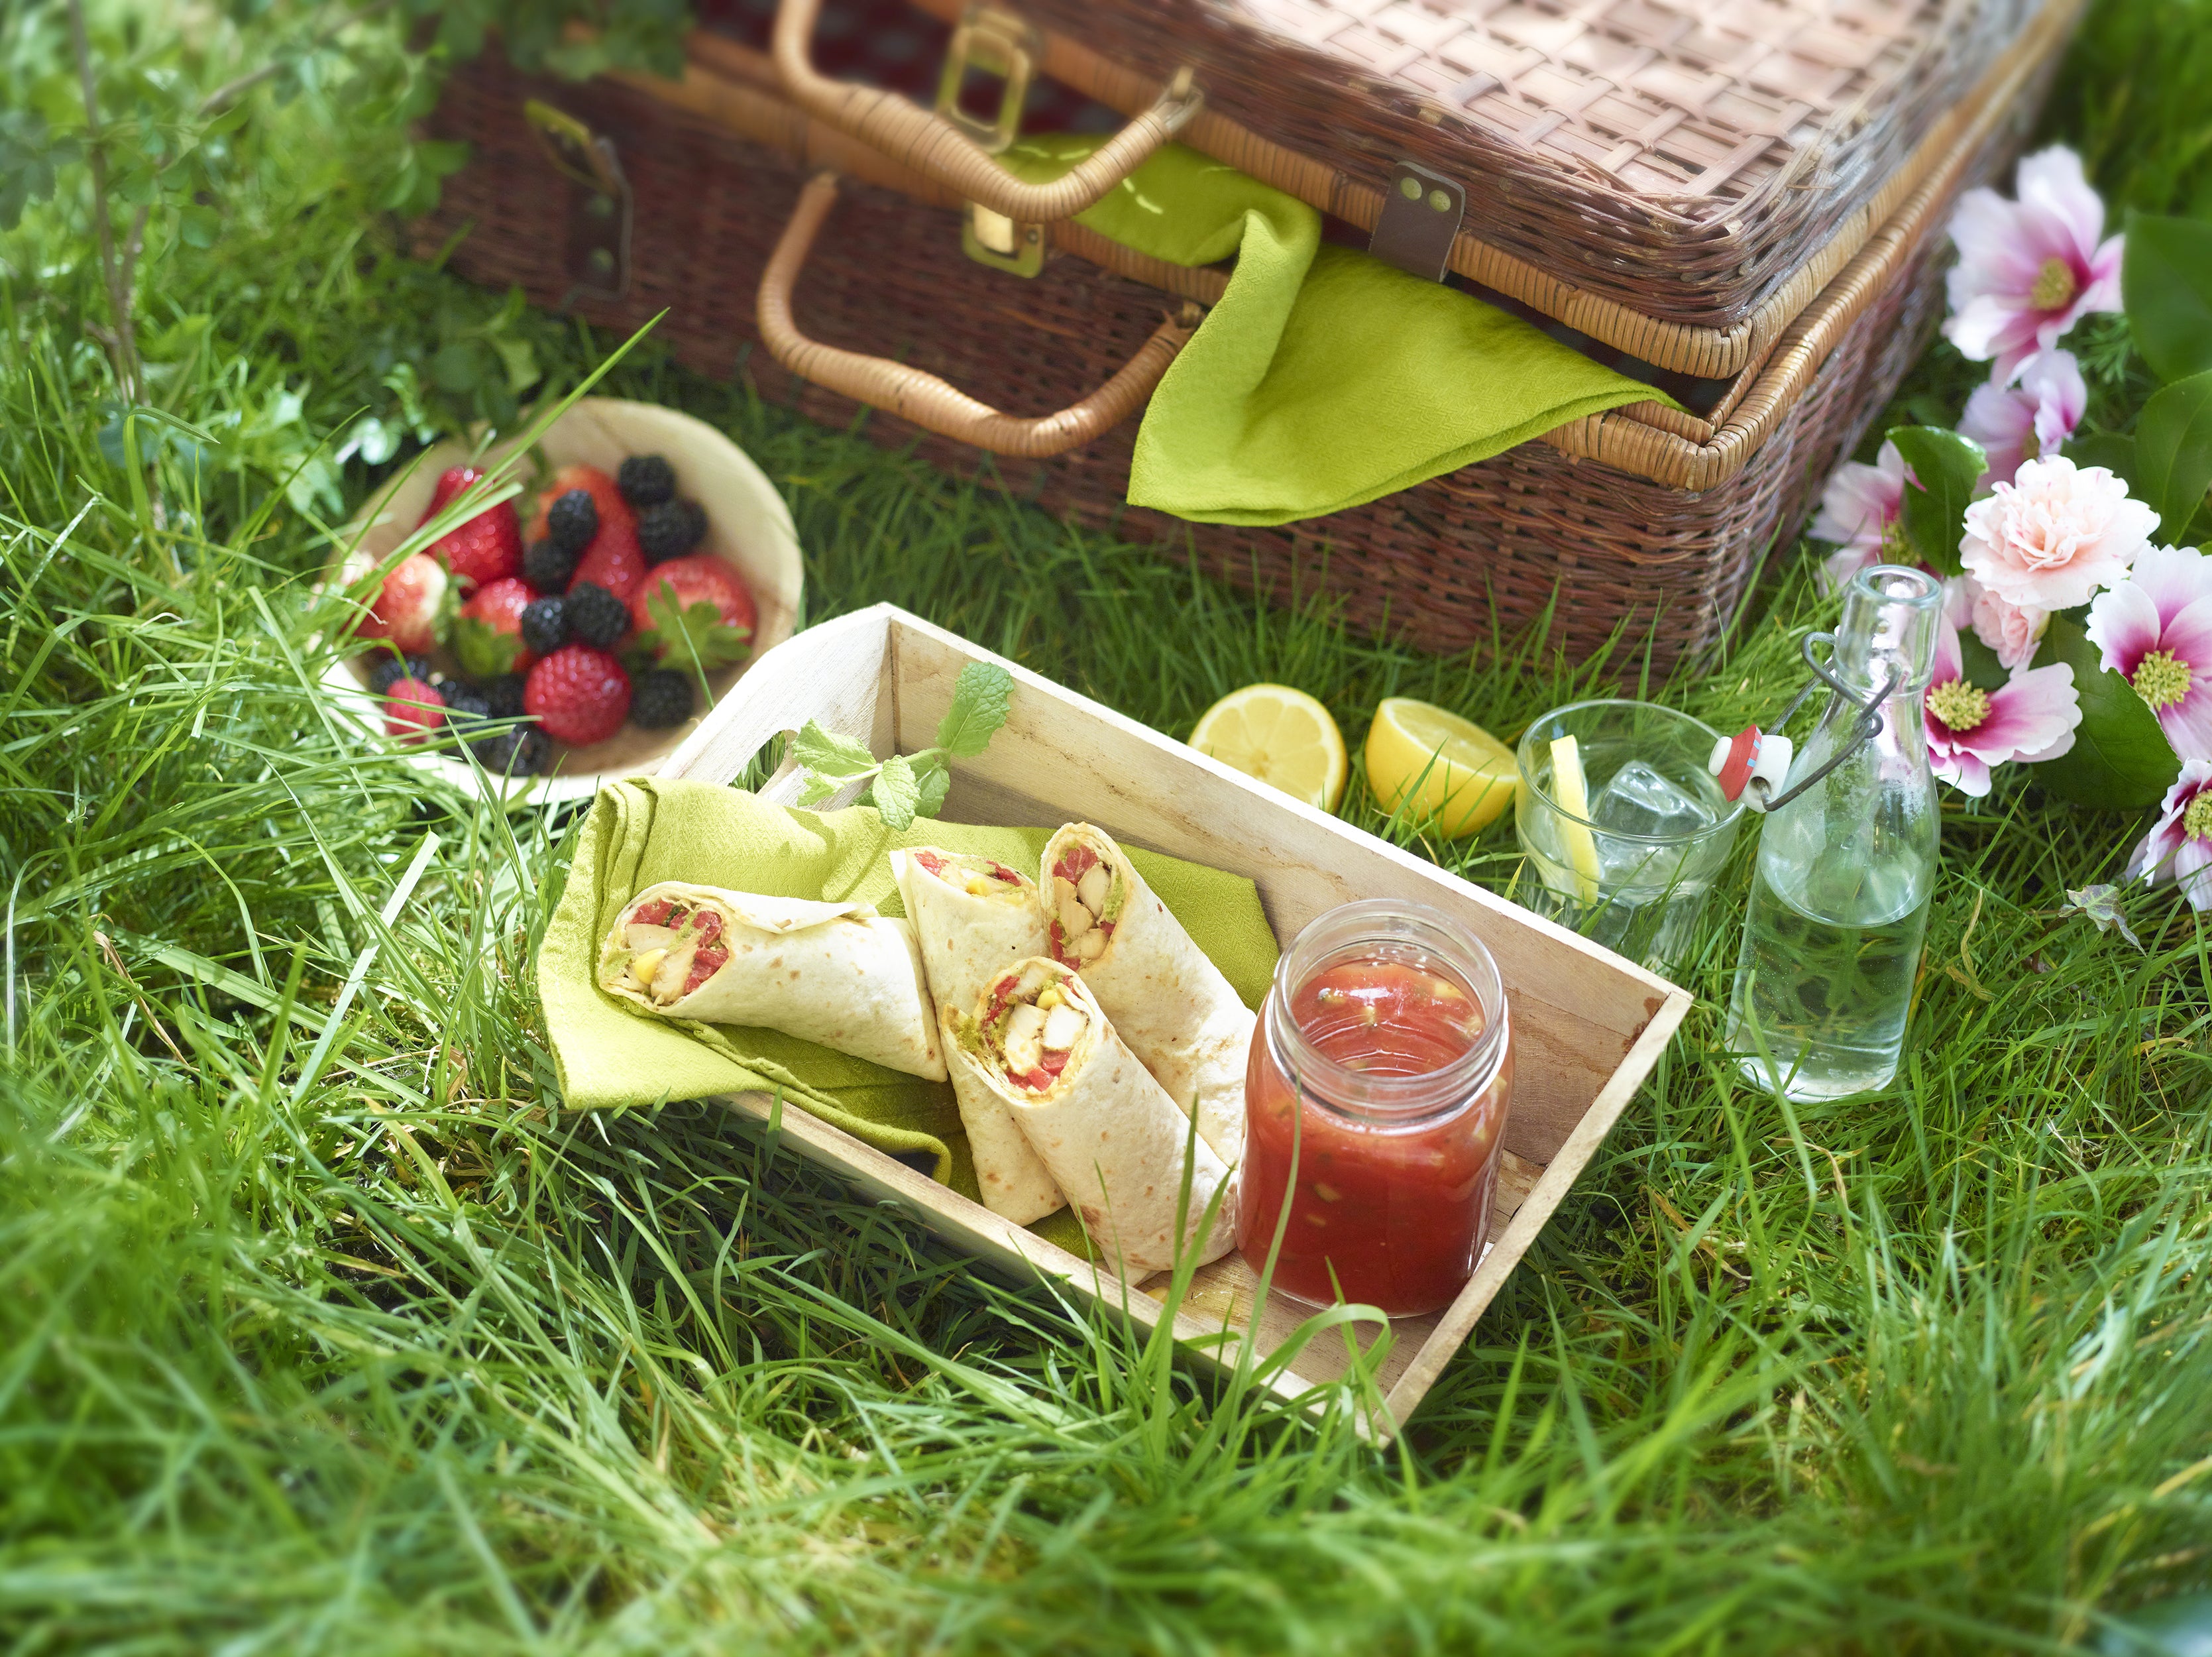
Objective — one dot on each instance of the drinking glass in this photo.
(1631, 870)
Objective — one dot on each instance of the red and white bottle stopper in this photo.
(1752, 760)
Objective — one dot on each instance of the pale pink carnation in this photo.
(2029, 270)
(2055, 534)
(2027, 419)
(2178, 848)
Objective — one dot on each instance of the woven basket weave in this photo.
(1548, 524)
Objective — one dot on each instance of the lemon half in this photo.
(1432, 767)
(1281, 736)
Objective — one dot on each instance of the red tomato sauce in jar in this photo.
(1376, 1100)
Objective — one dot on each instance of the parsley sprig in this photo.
(908, 786)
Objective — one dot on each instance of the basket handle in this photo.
(924, 399)
(938, 149)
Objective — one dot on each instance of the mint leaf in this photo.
(930, 794)
(485, 652)
(897, 792)
(978, 708)
(838, 758)
(816, 790)
(1945, 467)
(682, 635)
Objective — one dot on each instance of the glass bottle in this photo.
(1846, 870)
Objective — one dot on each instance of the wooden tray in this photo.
(1588, 1026)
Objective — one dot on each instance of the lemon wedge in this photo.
(1281, 736)
(1437, 768)
(1571, 791)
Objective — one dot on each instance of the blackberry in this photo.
(573, 520)
(466, 705)
(503, 696)
(545, 625)
(596, 616)
(522, 751)
(645, 480)
(661, 698)
(387, 670)
(671, 529)
(548, 568)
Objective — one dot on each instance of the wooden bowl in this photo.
(748, 526)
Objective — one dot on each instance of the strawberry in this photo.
(488, 636)
(450, 482)
(409, 608)
(594, 483)
(412, 710)
(579, 695)
(614, 560)
(486, 548)
(695, 607)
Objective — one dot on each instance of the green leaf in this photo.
(1947, 467)
(2120, 759)
(695, 635)
(980, 697)
(201, 227)
(485, 652)
(935, 780)
(1978, 664)
(837, 757)
(815, 789)
(460, 366)
(2166, 282)
(896, 793)
(2110, 450)
(2174, 454)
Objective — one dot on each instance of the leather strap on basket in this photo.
(924, 399)
(937, 149)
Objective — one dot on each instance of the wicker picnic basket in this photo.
(703, 198)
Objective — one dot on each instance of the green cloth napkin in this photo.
(610, 1053)
(1324, 379)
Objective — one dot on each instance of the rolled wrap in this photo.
(838, 974)
(1170, 1003)
(1111, 1138)
(974, 918)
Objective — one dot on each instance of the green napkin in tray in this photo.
(1324, 379)
(610, 1053)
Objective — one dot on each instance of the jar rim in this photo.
(1394, 1101)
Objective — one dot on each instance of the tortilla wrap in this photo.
(974, 918)
(838, 974)
(1171, 1004)
(1113, 1140)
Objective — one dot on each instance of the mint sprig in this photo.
(908, 786)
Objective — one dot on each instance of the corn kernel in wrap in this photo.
(838, 974)
(1167, 1001)
(1112, 1139)
(974, 917)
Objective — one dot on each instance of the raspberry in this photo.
(412, 709)
(580, 695)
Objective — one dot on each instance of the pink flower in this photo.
(1859, 512)
(2055, 534)
(2029, 418)
(2155, 631)
(2013, 630)
(2030, 270)
(2178, 847)
(2030, 717)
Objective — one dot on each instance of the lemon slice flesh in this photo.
(1569, 788)
(1282, 737)
(1436, 770)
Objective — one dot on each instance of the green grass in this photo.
(325, 1331)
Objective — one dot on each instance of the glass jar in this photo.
(1375, 1099)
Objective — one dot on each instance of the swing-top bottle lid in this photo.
(1890, 616)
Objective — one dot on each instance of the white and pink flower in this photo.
(1860, 511)
(2055, 534)
(2032, 717)
(2013, 630)
(2027, 419)
(2029, 270)
(2155, 631)
(2178, 848)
